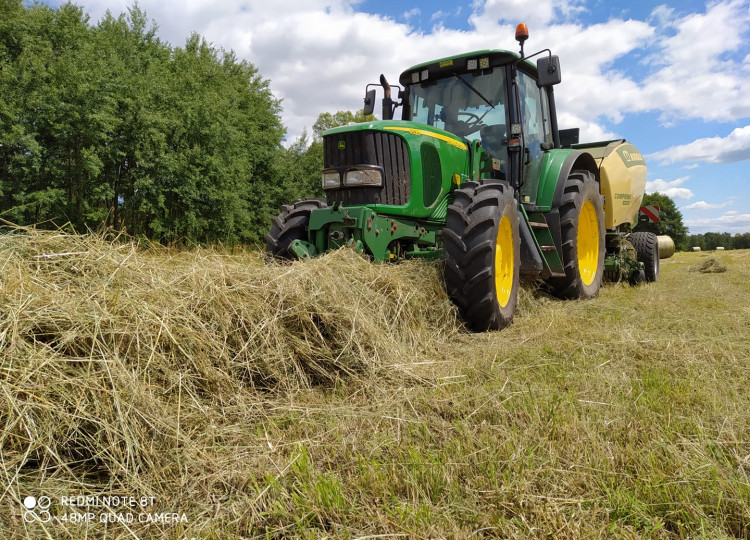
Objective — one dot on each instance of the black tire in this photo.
(647, 247)
(582, 239)
(482, 254)
(291, 224)
(637, 278)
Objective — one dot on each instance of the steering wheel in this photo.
(473, 121)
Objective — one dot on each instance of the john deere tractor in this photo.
(476, 172)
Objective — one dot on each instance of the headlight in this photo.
(363, 177)
(331, 179)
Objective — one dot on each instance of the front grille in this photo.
(386, 150)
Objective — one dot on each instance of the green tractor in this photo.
(476, 172)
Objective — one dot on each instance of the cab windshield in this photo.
(472, 106)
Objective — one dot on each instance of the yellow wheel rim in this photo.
(588, 243)
(504, 260)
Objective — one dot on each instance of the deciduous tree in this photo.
(670, 220)
(106, 125)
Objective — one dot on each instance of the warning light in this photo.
(522, 32)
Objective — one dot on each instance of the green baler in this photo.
(477, 173)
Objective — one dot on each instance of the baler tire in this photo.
(291, 224)
(646, 246)
(583, 247)
(481, 252)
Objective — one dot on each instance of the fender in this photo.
(558, 164)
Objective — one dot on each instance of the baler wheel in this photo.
(291, 224)
(583, 235)
(482, 254)
(647, 247)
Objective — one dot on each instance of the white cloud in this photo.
(414, 12)
(687, 71)
(536, 14)
(733, 147)
(703, 205)
(589, 131)
(320, 54)
(735, 218)
(695, 75)
(662, 15)
(670, 188)
(731, 221)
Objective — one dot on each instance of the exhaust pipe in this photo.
(387, 101)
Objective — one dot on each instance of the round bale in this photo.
(666, 246)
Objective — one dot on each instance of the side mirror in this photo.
(548, 68)
(369, 102)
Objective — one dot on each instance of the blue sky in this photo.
(672, 78)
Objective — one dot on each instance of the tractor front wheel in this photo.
(482, 254)
(291, 224)
(582, 232)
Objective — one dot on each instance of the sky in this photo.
(672, 78)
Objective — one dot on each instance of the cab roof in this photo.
(436, 69)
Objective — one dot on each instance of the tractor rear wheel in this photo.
(647, 247)
(582, 232)
(291, 224)
(482, 254)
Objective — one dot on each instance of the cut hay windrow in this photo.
(337, 398)
(709, 265)
(122, 368)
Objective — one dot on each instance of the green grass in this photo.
(340, 399)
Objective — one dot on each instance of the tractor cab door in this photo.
(537, 133)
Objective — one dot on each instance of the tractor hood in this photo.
(401, 127)
(395, 167)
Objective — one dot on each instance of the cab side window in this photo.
(535, 112)
(534, 104)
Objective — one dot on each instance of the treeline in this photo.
(104, 125)
(710, 241)
(670, 224)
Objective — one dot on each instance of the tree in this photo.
(53, 126)
(301, 165)
(696, 240)
(741, 241)
(106, 125)
(219, 128)
(670, 220)
(327, 121)
(714, 240)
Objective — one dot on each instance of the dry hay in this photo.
(145, 371)
(709, 265)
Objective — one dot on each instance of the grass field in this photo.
(341, 399)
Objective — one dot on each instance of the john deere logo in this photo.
(342, 145)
